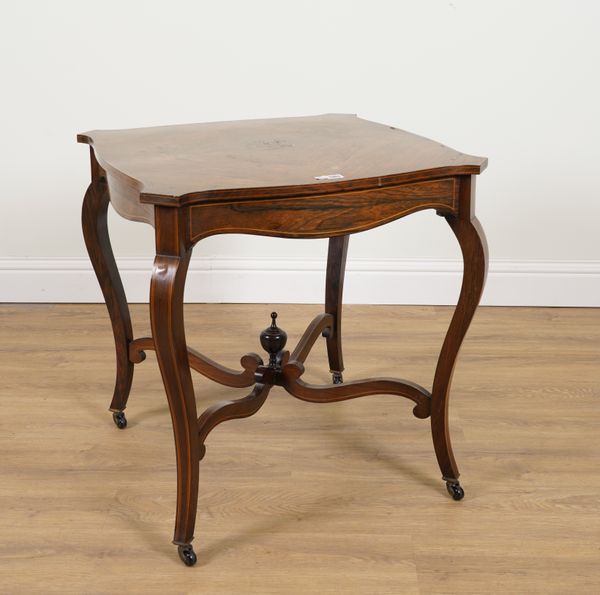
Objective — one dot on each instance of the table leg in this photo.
(334, 287)
(97, 241)
(166, 315)
(474, 250)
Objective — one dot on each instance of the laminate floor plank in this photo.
(305, 498)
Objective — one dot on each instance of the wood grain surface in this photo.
(323, 216)
(302, 498)
(194, 163)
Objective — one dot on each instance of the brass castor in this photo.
(187, 554)
(337, 378)
(455, 490)
(120, 419)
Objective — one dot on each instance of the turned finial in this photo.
(273, 339)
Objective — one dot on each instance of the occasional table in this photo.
(323, 176)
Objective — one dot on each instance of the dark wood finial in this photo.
(273, 339)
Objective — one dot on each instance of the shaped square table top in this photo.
(303, 156)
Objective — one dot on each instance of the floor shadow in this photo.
(159, 542)
(274, 523)
(356, 438)
(148, 413)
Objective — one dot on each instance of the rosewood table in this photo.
(324, 176)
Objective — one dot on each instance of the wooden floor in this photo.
(305, 498)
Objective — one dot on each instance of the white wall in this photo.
(515, 81)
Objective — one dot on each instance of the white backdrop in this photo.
(515, 81)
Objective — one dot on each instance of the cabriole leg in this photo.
(474, 251)
(95, 232)
(166, 314)
(334, 287)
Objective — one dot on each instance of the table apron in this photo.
(323, 216)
